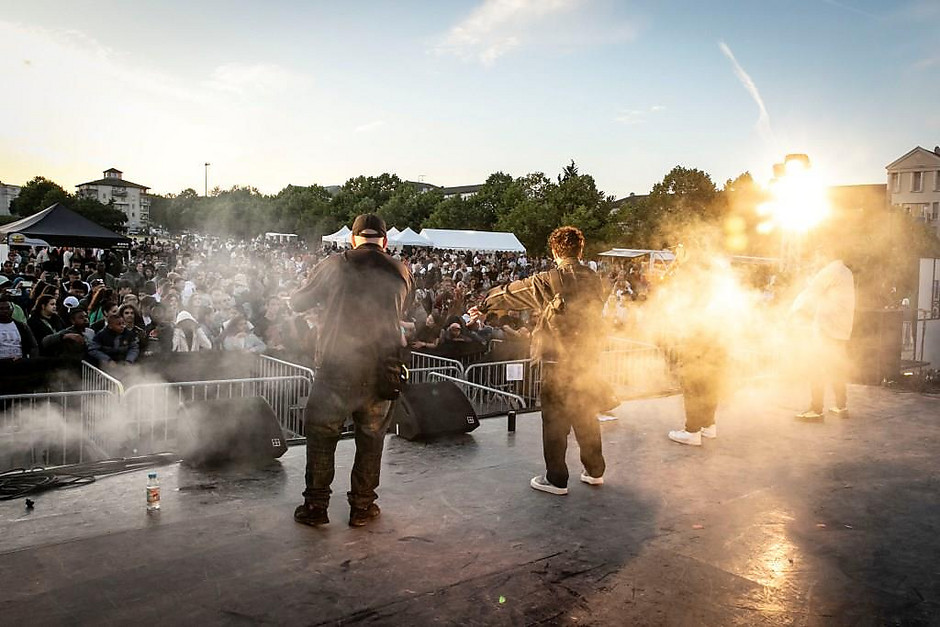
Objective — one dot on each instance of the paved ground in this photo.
(774, 523)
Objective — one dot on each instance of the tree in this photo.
(99, 213)
(683, 197)
(409, 206)
(530, 217)
(38, 194)
(41, 193)
(577, 201)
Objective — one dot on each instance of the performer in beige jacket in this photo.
(829, 303)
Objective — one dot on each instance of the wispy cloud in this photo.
(497, 27)
(253, 78)
(637, 116)
(369, 126)
(927, 63)
(846, 6)
(763, 121)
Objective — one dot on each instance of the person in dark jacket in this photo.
(44, 320)
(363, 293)
(72, 341)
(114, 344)
(570, 299)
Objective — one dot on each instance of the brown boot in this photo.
(359, 517)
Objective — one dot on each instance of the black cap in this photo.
(368, 225)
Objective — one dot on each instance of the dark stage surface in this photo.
(775, 522)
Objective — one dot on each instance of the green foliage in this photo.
(99, 213)
(38, 194)
(41, 193)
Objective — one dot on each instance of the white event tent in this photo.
(408, 238)
(339, 237)
(392, 233)
(488, 241)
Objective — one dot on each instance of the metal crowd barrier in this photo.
(486, 401)
(424, 363)
(49, 428)
(636, 369)
(520, 377)
(150, 412)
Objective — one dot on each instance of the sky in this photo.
(450, 91)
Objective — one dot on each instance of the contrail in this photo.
(763, 122)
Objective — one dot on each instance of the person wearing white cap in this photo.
(187, 336)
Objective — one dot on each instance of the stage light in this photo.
(798, 197)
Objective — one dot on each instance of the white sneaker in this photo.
(809, 414)
(684, 437)
(541, 483)
(710, 432)
(839, 411)
(588, 479)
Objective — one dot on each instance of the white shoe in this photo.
(541, 483)
(588, 479)
(809, 414)
(684, 437)
(839, 411)
(710, 432)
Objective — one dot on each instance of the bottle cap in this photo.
(151, 475)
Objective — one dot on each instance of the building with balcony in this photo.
(7, 194)
(914, 184)
(131, 198)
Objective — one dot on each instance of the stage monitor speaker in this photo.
(875, 347)
(221, 431)
(426, 410)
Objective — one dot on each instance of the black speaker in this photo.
(425, 410)
(243, 430)
(875, 347)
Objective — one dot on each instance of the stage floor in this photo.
(775, 522)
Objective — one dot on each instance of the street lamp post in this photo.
(206, 191)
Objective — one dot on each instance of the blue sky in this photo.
(316, 92)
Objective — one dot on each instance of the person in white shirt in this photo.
(187, 336)
(828, 304)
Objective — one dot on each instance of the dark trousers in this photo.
(830, 365)
(567, 402)
(702, 379)
(329, 405)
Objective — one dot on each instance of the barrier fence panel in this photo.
(97, 409)
(48, 429)
(151, 412)
(522, 378)
(422, 363)
(636, 369)
(288, 399)
(486, 401)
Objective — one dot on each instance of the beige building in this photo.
(914, 184)
(7, 194)
(131, 198)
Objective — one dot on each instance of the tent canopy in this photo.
(392, 233)
(408, 238)
(339, 237)
(491, 241)
(631, 253)
(60, 226)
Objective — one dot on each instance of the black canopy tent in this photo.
(60, 226)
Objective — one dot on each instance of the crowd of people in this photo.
(200, 293)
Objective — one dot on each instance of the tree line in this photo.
(529, 206)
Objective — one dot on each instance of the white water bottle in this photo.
(153, 492)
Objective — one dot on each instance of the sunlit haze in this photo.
(284, 93)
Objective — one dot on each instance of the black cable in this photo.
(20, 482)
